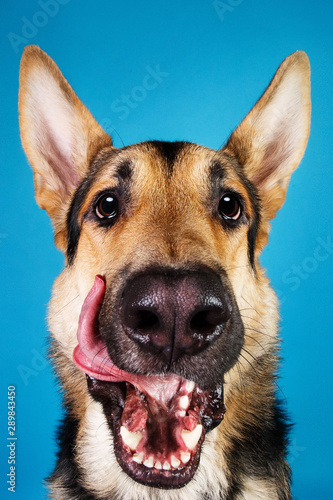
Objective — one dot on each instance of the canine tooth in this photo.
(149, 462)
(184, 402)
(180, 413)
(138, 458)
(190, 385)
(175, 462)
(166, 466)
(191, 438)
(131, 439)
(185, 457)
(158, 465)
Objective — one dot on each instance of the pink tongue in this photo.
(91, 355)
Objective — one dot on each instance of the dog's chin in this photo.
(158, 442)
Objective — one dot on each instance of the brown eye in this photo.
(107, 207)
(230, 207)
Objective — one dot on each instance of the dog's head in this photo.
(161, 243)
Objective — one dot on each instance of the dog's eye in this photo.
(107, 207)
(230, 207)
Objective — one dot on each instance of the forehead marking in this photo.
(169, 151)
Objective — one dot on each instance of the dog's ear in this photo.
(270, 142)
(59, 135)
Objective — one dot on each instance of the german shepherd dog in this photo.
(163, 323)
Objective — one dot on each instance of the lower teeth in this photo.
(175, 462)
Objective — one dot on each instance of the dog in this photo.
(163, 323)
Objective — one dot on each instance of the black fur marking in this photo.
(253, 229)
(66, 471)
(261, 453)
(256, 209)
(169, 152)
(73, 227)
(125, 171)
(251, 240)
(216, 175)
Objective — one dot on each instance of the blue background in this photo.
(215, 67)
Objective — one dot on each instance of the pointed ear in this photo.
(59, 135)
(271, 140)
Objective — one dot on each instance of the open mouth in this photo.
(158, 422)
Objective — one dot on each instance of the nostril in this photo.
(206, 321)
(142, 319)
(147, 320)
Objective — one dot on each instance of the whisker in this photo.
(253, 319)
(97, 353)
(247, 327)
(236, 267)
(253, 308)
(247, 352)
(103, 362)
(283, 394)
(114, 130)
(241, 382)
(90, 403)
(249, 362)
(255, 340)
(257, 374)
(100, 425)
(72, 300)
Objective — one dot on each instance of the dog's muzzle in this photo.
(159, 416)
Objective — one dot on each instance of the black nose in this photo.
(175, 313)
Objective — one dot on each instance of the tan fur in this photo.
(174, 227)
(255, 489)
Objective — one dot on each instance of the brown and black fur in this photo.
(169, 220)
